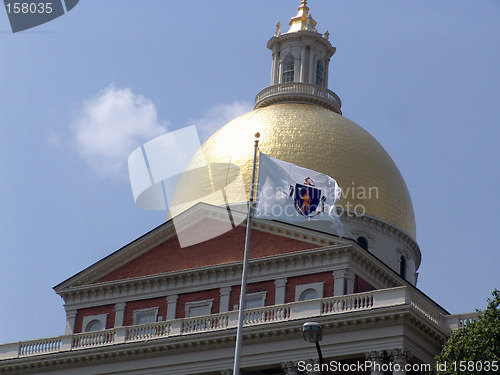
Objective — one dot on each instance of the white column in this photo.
(349, 277)
(273, 69)
(119, 314)
(303, 65)
(343, 282)
(280, 71)
(224, 299)
(171, 306)
(338, 283)
(280, 291)
(327, 68)
(296, 69)
(70, 322)
(376, 362)
(311, 67)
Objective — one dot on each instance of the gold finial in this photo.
(257, 135)
(300, 21)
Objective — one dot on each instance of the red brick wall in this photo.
(234, 297)
(325, 277)
(227, 248)
(361, 285)
(107, 309)
(161, 302)
(197, 296)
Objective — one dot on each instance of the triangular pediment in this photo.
(159, 251)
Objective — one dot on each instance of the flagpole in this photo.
(241, 312)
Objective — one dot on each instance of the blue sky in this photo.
(422, 77)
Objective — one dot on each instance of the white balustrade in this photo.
(306, 91)
(148, 331)
(350, 302)
(205, 323)
(40, 346)
(96, 338)
(399, 296)
(267, 314)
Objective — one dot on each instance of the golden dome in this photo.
(316, 138)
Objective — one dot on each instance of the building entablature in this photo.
(316, 260)
(391, 310)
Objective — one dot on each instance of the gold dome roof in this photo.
(316, 138)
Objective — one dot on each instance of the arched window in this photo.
(308, 294)
(288, 69)
(402, 267)
(363, 242)
(94, 325)
(319, 73)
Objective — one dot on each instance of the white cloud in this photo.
(219, 116)
(111, 125)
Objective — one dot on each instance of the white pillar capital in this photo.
(376, 358)
(399, 358)
(290, 368)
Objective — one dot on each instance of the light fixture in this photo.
(313, 333)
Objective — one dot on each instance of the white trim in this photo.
(299, 289)
(102, 318)
(146, 312)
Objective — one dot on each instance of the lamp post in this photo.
(313, 333)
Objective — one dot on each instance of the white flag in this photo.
(288, 192)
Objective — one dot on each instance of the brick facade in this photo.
(169, 256)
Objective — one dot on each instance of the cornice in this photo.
(287, 265)
(301, 36)
(401, 315)
(386, 228)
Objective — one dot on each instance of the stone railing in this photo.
(454, 322)
(400, 296)
(298, 92)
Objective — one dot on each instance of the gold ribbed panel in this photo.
(314, 138)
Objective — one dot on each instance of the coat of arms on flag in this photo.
(308, 199)
(288, 192)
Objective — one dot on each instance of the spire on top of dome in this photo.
(303, 20)
(301, 59)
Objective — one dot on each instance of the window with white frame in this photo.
(319, 73)
(145, 316)
(254, 300)
(288, 69)
(94, 322)
(306, 292)
(199, 308)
